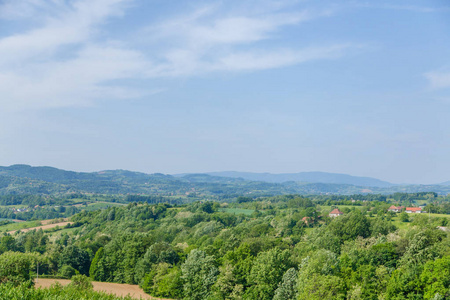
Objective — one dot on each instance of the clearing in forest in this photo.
(43, 227)
(117, 289)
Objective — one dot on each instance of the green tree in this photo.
(77, 258)
(267, 271)
(435, 278)
(351, 226)
(7, 243)
(287, 288)
(199, 273)
(226, 282)
(67, 272)
(404, 217)
(94, 270)
(322, 287)
(15, 267)
(81, 282)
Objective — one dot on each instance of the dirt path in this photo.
(110, 288)
(48, 226)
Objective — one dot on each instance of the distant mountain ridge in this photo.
(25, 179)
(308, 177)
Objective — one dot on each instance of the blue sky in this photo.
(356, 87)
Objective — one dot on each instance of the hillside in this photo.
(24, 179)
(309, 177)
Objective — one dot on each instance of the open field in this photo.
(19, 226)
(43, 227)
(14, 206)
(107, 287)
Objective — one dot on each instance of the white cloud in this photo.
(277, 58)
(404, 7)
(213, 40)
(33, 74)
(438, 79)
(65, 62)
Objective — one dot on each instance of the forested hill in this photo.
(309, 177)
(24, 179)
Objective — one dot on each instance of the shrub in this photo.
(81, 282)
(67, 272)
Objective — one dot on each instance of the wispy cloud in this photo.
(438, 79)
(405, 7)
(212, 40)
(61, 61)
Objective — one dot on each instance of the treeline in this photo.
(153, 199)
(408, 197)
(322, 199)
(32, 200)
(40, 213)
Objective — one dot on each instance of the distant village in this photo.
(396, 209)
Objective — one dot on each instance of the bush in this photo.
(15, 267)
(81, 282)
(67, 272)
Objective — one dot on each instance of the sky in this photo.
(355, 87)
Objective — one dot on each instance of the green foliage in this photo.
(198, 273)
(201, 251)
(267, 271)
(94, 272)
(77, 258)
(322, 287)
(81, 282)
(15, 267)
(55, 292)
(287, 288)
(435, 278)
(351, 226)
(164, 281)
(67, 272)
(404, 217)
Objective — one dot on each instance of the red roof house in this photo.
(413, 210)
(395, 208)
(335, 213)
(306, 220)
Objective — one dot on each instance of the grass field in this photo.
(43, 227)
(18, 226)
(237, 211)
(110, 288)
(14, 206)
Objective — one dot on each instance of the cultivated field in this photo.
(43, 227)
(19, 226)
(110, 288)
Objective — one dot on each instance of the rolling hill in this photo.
(25, 179)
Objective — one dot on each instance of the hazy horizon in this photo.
(357, 88)
(231, 171)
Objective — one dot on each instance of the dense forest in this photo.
(282, 247)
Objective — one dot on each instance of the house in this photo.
(396, 209)
(335, 213)
(306, 220)
(413, 210)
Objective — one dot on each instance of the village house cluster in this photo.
(409, 210)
